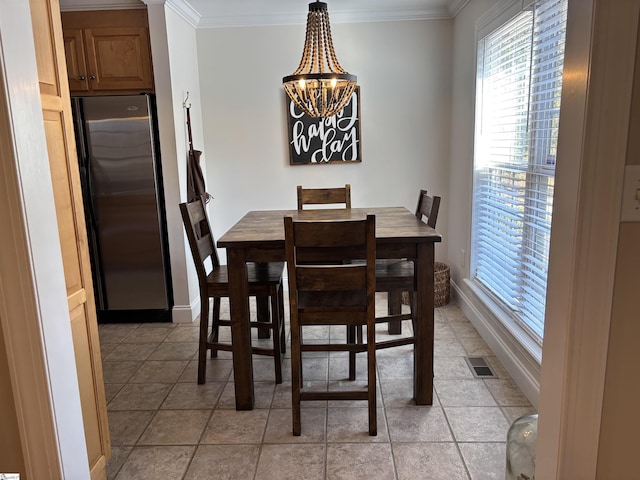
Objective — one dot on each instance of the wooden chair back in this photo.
(396, 277)
(428, 207)
(213, 280)
(327, 243)
(336, 292)
(201, 242)
(324, 196)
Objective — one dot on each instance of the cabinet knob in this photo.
(81, 77)
(92, 77)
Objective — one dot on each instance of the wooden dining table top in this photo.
(266, 227)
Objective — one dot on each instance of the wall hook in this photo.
(184, 104)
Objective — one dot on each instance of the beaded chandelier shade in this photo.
(320, 86)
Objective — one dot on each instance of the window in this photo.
(519, 81)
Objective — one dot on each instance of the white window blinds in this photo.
(519, 83)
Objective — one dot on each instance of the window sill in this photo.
(507, 322)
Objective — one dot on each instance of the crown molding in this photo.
(456, 6)
(180, 7)
(296, 18)
(184, 10)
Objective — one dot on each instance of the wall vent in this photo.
(479, 367)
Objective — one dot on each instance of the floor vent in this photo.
(479, 367)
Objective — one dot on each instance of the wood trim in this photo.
(19, 304)
(592, 144)
(39, 351)
(77, 298)
(76, 59)
(521, 363)
(106, 18)
(121, 43)
(67, 194)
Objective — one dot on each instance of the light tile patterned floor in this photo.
(164, 425)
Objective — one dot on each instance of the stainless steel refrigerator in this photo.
(121, 177)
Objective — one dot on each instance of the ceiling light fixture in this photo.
(320, 86)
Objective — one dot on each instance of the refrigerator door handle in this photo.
(93, 214)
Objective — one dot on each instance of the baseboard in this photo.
(186, 313)
(522, 366)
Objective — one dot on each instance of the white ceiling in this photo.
(227, 13)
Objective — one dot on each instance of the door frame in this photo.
(594, 129)
(34, 314)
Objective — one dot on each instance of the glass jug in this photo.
(521, 448)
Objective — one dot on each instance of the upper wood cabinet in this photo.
(107, 51)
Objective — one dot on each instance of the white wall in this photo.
(404, 71)
(175, 65)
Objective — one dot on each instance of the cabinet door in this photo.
(76, 64)
(119, 58)
(65, 176)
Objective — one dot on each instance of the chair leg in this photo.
(204, 331)
(413, 302)
(296, 378)
(371, 380)
(301, 341)
(215, 324)
(394, 307)
(282, 329)
(275, 325)
(351, 339)
(262, 311)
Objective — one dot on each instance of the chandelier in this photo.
(320, 86)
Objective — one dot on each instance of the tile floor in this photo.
(164, 425)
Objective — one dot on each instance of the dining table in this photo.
(259, 237)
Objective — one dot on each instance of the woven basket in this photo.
(441, 286)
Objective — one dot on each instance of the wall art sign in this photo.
(333, 139)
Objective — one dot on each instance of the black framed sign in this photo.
(333, 139)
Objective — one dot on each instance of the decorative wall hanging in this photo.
(316, 140)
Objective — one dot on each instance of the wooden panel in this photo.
(118, 58)
(45, 50)
(75, 55)
(110, 49)
(58, 155)
(77, 299)
(54, 104)
(88, 397)
(618, 445)
(11, 452)
(105, 18)
(633, 153)
(67, 191)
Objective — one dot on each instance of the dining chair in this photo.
(332, 291)
(397, 276)
(264, 279)
(324, 196)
